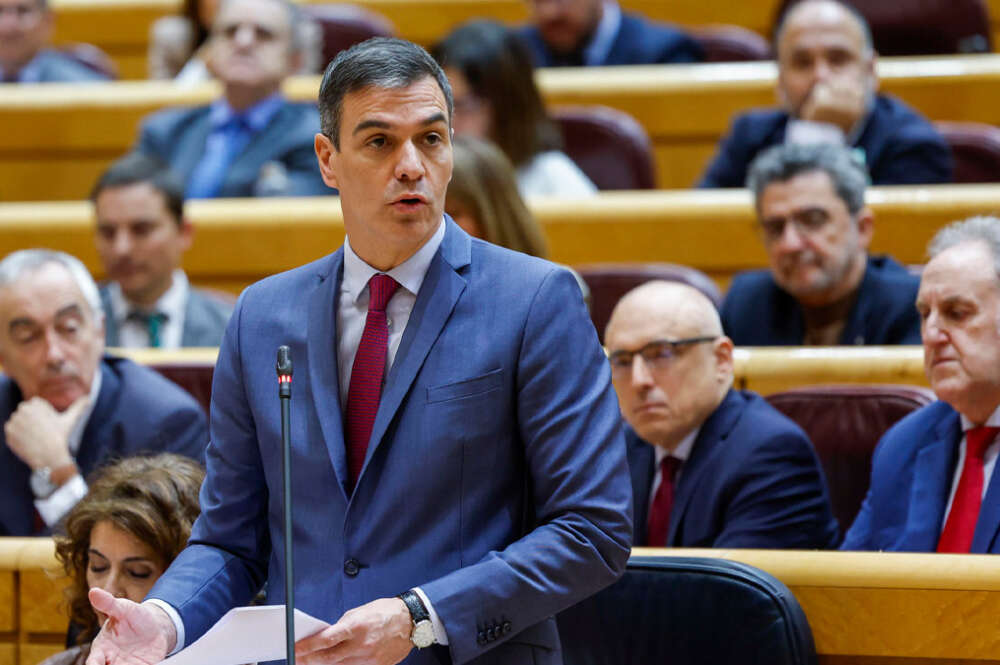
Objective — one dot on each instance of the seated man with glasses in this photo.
(822, 287)
(711, 466)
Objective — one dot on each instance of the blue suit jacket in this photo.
(753, 480)
(757, 312)
(912, 471)
(495, 478)
(900, 146)
(177, 136)
(137, 411)
(639, 42)
(51, 66)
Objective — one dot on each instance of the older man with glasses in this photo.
(711, 466)
(823, 288)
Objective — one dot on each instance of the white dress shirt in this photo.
(56, 505)
(681, 452)
(989, 459)
(133, 334)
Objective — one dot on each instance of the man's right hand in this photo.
(134, 634)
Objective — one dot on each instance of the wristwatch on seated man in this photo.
(423, 630)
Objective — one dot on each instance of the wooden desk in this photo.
(239, 241)
(33, 618)
(58, 138)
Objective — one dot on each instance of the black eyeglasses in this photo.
(656, 354)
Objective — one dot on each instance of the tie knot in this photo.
(978, 439)
(146, 318)
(669, 466)
(380, 290)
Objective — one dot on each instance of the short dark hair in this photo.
(136, 168)
(383, 62)
(783, 162)
(499, 69)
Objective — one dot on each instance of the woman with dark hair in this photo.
(496, 98)
(135, 519)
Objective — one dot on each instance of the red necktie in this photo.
(960, 526)
(658, 525)
(366, 375)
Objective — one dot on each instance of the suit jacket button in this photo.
(507, 627)
(491, 634)
(352, 567)
(481, 638)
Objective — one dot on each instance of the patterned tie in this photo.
(366, 375)
(154, 324)
(658, 525)
(960, 527)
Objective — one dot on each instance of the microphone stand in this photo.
(284, 368)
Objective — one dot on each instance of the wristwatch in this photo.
(42, 483)
(423, 630)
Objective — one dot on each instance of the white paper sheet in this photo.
(246, 635)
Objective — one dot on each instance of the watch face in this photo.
(41, 485)
(423, 634)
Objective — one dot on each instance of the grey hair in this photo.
(383, 62)
(783, 162)
(983, 228)
(866, 31)
(16, 264)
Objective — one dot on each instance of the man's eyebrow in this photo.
(381, 124)
(69, 310)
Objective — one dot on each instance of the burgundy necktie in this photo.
(658, 525)
(960, 527)
(367, 373)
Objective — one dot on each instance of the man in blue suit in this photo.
(822, 287)
(934, 480)
(595, 33)
(711, 466)
(66, 409)
(25, 30)
(484, 480)
(251, 141)
(827, 90)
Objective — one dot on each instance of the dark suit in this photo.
(205, 319)
(137, 411)
(900, 146)
(638, 42)
(51, 66)
(177, 136)
(752, 480)
(495, 478)
(912, 472)
(757, 312)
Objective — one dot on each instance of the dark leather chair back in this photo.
(975, 150)
(196, 378)
(688, 611)
(345, 25)
(845, 423)
(731, 43)
(608, 282)
(922, 27)
(609, 145)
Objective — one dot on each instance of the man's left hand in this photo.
(377, 633)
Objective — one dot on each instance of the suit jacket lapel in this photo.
(324, 376)
(713, 432)
(196, 328)
(441, 289)
(96, 443)
(191, 145)
(932, 475)
(110, 324)
(988, 524)
(641, 466)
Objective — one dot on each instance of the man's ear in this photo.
(866, 226)
(186, 230)
(724, 358)
(327, 156)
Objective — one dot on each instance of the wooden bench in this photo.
(239, 241)
(33, 614)
(59, 137)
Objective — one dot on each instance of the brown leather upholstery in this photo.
(608, 282)
(608, 145)
(975, 149)
(922, 27)
(845, 423)
(92, 57)
(731, 43)
(196, 378)
(345, 25)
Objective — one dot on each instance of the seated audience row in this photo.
(25, 30)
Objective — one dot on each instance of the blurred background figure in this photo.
(492, 80)
(483, 199)
(135, 519)
(25, 30)
(594, 33)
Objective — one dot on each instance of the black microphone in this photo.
(284, 368)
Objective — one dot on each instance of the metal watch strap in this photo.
(416, 606)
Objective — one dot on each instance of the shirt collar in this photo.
(683, 449)
(409, 274)
(170, 303)
(596, 52)
(992, 421)
(76, 435)
(256, 117)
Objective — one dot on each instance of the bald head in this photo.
(670, 363)
(829, 14)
